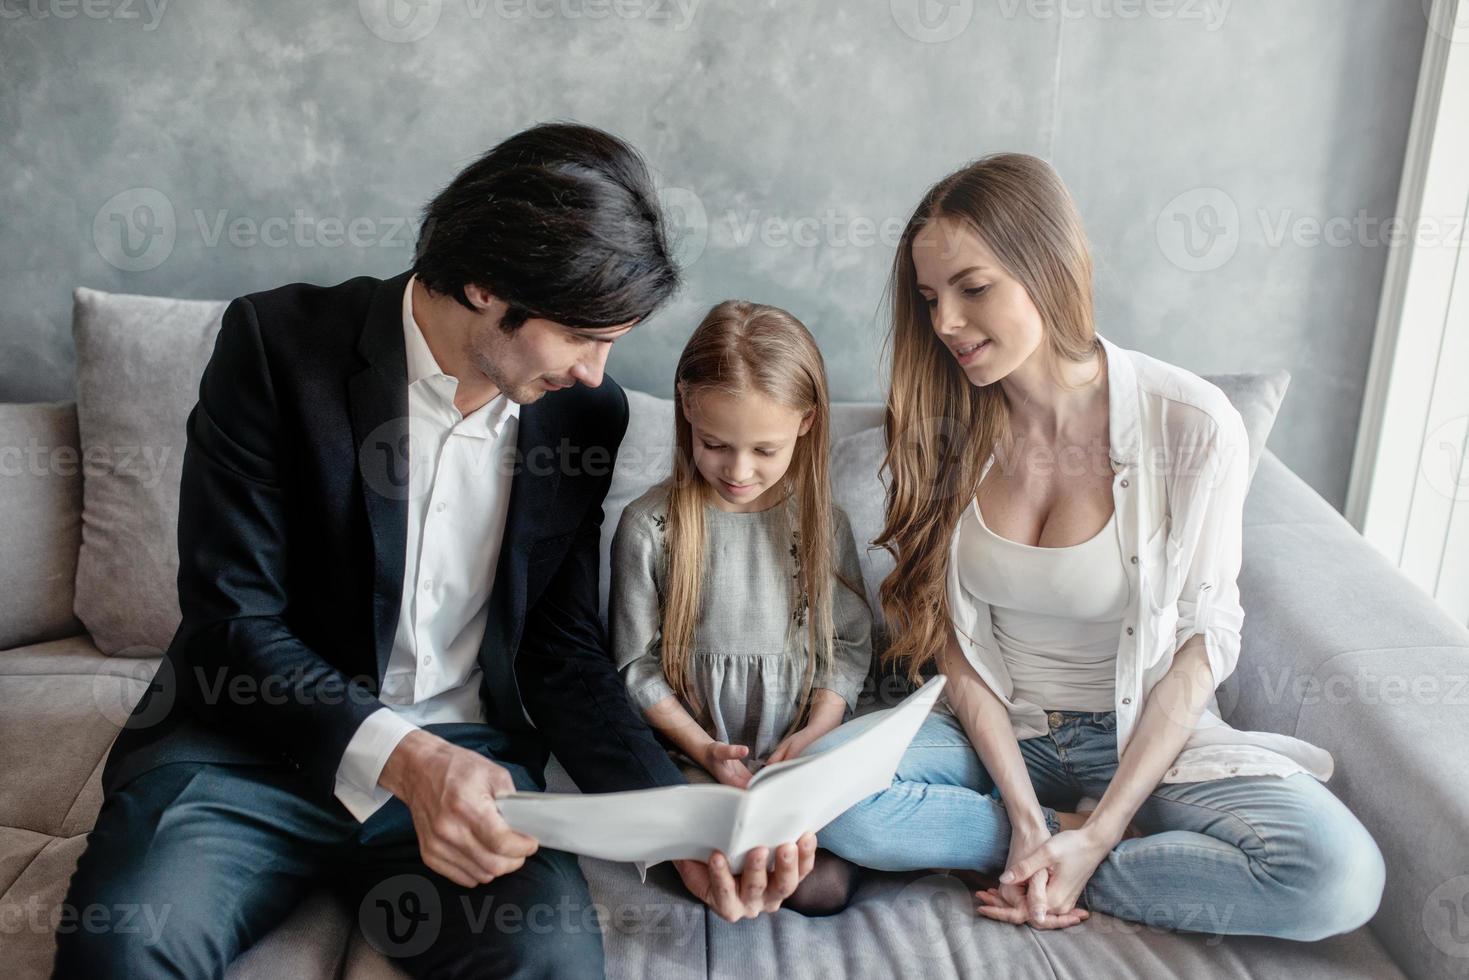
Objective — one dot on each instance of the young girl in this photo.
(737, 613)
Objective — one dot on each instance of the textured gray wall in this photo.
(202, 148)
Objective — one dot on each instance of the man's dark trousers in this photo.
(211, 857)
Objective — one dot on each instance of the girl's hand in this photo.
(1067, 861)
(795, 743)
(722, 761)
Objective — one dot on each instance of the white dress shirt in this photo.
(1180, 458)
(459, 473)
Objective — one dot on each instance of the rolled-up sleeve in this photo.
(851, 619)
(1207, 499)
(633, 611)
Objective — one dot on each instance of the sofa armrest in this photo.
(1341, 649)
(40, 521)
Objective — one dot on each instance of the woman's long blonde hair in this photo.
(742, 347)
(940, 428)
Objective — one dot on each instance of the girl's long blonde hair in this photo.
(940, 428)
(739, 348)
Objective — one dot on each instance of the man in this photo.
(388, 541)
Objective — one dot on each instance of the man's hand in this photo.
(756, 890)
(451, 793)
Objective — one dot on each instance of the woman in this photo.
(1066, 521)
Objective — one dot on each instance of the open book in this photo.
(781, 802)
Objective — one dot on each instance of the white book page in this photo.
(788, 799)
(648, 825)
(781, 803)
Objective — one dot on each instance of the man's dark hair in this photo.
(560, 221)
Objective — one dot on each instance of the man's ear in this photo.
(807, 421)
(481, 298)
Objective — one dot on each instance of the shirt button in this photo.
(440, 507)
(1124, 483)
(1129, 631)
(428, 585)
(1173, 772)
(1133, 559)
(1127, 700)
(428, 658)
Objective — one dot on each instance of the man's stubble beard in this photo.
(484, 362)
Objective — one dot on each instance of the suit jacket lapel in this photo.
(378, 404)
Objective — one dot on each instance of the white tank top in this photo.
(1057, 612)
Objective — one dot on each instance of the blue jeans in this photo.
(1246, 855)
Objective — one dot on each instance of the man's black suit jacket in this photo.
(291, 535)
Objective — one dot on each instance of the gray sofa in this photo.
(1338, 648)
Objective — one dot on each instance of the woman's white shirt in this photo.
(1180, 460)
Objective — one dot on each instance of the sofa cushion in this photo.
(40, 521)
(311, 944)
(858, 487)
(64, 703)
(923, 925)
(139, 360)
(30, 902)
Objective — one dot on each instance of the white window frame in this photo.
(1409, 488)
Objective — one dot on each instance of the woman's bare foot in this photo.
(1071, 821)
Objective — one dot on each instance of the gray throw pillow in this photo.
(139, 360)
(1257, 398)
(645, 458)
(40, 521)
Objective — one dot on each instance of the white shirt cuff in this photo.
(362, 763)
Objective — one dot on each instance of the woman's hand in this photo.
(1067, 862)
(722, 761)
(795, 743)
(1030, 899)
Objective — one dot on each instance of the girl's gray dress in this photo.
(750, 643)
